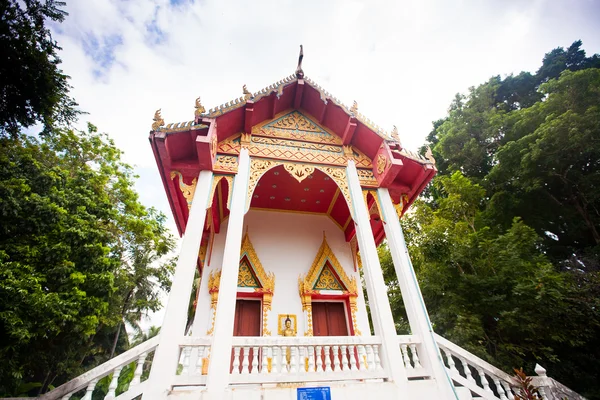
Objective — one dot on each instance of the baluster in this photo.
(139, 368)
(451, 363)
(293, 359)
(200, 355)
(311, 359)
(90, 389)
(327, 359)
(499, 389)
(362, 357)
(186, 360)
(407, 363)
(507, 388)
(302, 360)
(376, 356)
(465, 366)
(236, 361)
(336, 358)
(245, 362)
(345, 361)
(275, 360)
(254, 360)
(484, 381)
(351, 355)
(415, 356)
(114, 382)
(319, 360)
(370, 363)
(264, 366)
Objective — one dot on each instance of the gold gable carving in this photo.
(310, 285)
(295, 125)
(327, 280)
(266, 281)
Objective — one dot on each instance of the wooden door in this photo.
(246, 323)
(329, 319)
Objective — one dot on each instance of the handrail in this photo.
(474, 359)
(101, 371)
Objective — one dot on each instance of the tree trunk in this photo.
(114, 345)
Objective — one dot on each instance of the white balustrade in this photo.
(485, 372)
(133, 358)
(194, 358)
(410, 346)
(307, 359)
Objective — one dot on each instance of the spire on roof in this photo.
(299, 72)
(158, 121)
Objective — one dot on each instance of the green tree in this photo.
(76, 249)
(32, 87)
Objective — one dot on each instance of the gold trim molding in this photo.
(259, 166)
(187, 190)
(324, 257)
(376, 207)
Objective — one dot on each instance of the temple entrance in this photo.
(329, 319)
(247, 318)
(246, 323)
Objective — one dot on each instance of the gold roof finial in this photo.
(395, 136)
(158, 121)
(429, 155)
(247, 94)
(299, 72)
(354, 109)
(199, 108)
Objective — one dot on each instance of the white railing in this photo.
(193, 361)
(304, 359)
(410, 346)
(88, 380)
(470, 371)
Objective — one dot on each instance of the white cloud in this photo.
(401, 61)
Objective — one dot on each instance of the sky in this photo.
(402, 61)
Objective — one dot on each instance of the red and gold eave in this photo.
(182, 150)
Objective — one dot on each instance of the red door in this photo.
(329, 319)
(246, 323)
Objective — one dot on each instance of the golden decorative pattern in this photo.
(226, 164)
(361, 160)
(246, 93)
(400, 206)
(213, 146)
(295, 144)
(354, 108)
(214, 281)
(394, 135)
(381, 163)
(266, 281)
(327, 280)
(301, 155)
(296, 120)
(299, 171)
(231, 145)
(306, 285)
(259, 166)
(246, 277)
(215, 182)
(158, 121)
(376, 206)
(187, 190)
(366, 177)
(295, 125)
(245, 140)
(429, 155)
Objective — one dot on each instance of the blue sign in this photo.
(316, 393)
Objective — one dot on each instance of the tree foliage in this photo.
(79, 254)
(32, 87)
(505, 241)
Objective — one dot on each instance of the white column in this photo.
(383, 321)
(412, 297)
(173, 328)
(220, 354)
